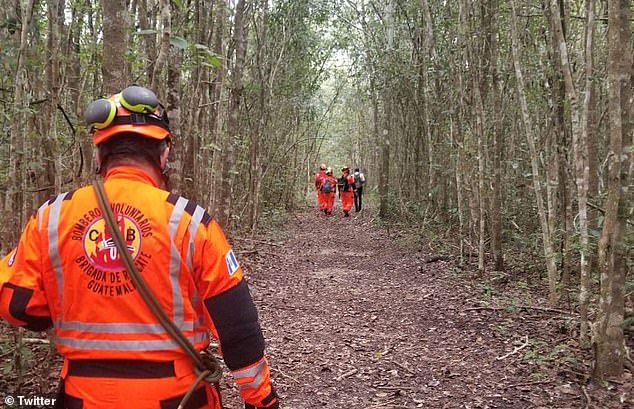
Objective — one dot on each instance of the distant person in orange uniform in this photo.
(66, 274)
(345, 185)
(319, 179)
(331, 182)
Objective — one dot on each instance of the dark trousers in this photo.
(358, 199)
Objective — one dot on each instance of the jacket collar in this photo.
(130, 173)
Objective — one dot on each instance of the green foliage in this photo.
(540, 353)
(512, 308)
(522, 284)
(489, 291)
(502, 330)
(179, 42)
(537, 352)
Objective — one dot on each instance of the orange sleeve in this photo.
(23, 301)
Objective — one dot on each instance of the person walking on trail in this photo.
(345, 185)
(67, 273)
(319, 180)
(359, 181)
(329, 186)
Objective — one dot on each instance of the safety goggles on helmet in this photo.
(136, 110)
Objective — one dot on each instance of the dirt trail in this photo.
(354, 319)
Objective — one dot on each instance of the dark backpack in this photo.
(343, 184)
(327, 186)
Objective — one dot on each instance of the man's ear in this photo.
(98, 160)
(164, 156)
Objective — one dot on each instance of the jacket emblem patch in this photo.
(99, 246)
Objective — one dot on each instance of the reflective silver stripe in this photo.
(53, 247)
(193, 229)
(250, 372)
(114, 328)
(175, 261)
(253, 384)
(127, 345)
(40, 215)
(195, 301)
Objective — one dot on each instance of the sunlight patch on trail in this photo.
(343, 253)
(333, 272)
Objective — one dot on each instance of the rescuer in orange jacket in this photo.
(321, 196)
(330, 182)
(66, 273)
(345, 185)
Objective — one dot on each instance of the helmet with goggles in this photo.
(134, 110)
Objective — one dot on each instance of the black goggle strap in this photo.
(141, 119)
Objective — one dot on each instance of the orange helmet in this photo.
(135, 110)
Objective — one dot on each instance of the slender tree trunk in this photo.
(233, 123)
(609, 341)
(115, 45)
(164, 47)
(148, 40)
(183, 142)
(84, 170)
(264, 77)
(497, 213)
(384, 188)
(14, 194)
(579, 136)
(459, 199)
(216, 120)
(480, 121)
(549, 252)
(56, 24)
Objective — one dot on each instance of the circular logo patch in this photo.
(99, 246)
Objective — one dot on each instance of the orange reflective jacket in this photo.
(66, 273)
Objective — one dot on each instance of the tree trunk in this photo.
(233, 122)
(164, 48)
(609, 341)
(174, 103)
(148, 40)
(55, 24)
(84, 171)
(547, 237)
(497, 214)
(579, 128)
(115, 45)
(480, 121)
(14, 198)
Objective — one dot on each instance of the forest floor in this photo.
(356, 317)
